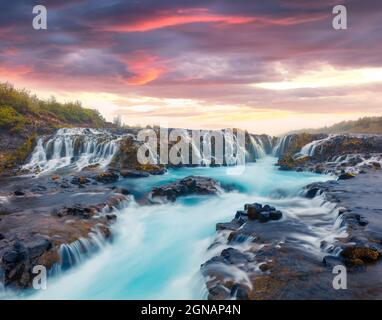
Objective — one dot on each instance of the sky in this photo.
(265, 66)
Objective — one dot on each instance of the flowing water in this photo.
(157, 250)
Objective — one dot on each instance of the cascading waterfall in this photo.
(281, 145)
(75, 147)
(258, 146)
(310, 148)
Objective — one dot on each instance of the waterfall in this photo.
(310, 148)
(281, 145)
(258, 147)
(74, 147)
(78, 251)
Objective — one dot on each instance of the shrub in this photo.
(10, 119)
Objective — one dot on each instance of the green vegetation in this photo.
(19, 107)
(23, 116)
(362, 125)
(10, 119)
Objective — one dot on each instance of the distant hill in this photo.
(362, 125)
(23, 116)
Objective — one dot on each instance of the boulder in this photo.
(346, 176)
(80, 180)
(107, 177)
(132, 173)
(187, 186)
(354, 255)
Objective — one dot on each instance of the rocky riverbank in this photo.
(337, 154)
(38, 216)
(257, 260)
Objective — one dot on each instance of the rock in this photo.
(78, 211)
(2, 236)
(311, 193)
(123, 191)
(80, 180)
(187, 186)
(107, 177)
(234, 256)
(276, 215)
(256, 211)
(111, 217)
(37, 247)
(240, 292)
(233, 225)
(352, 255)
(346, 176)
(331, 261)
(55, 177)
(115, 200)
(264, 216)
(267, 207)
(19, 193)
(362, 221)
(264, 267)
(131, 173)
(65, 185)
(253, 210)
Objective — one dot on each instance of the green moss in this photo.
(11, 120)
(19, 156)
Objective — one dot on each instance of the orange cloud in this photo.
(146, 68)
(202, 15)
(179, 17)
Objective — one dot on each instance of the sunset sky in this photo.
(266, 66)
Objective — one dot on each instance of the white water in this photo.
(158, 250)
(75, 148)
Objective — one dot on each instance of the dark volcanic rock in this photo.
(131, 173)
(187, 186)
(107, 177)
(346, 176)
(80, 180)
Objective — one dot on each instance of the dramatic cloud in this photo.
(200, 63)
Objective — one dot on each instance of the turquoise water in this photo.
(157, 250)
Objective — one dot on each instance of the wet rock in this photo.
(37, 247)
(115, 200)
(123, 191)
(256, 211)
(187, 186)
(77, 211)
(111, 217)
(55, 177)
(131, 173)
(107, 177)
(240, 292)
(234, 256)
(354, 255)
(253, 210)
(19, 193)
(276, 215)
(331, 261)
(80, 180)
(2, 236)
(312, 192)
(346, 176)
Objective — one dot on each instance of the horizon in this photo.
(267, 68)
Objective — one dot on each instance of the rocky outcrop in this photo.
(34, 235)
(360, 211)
(187, 186)
(229, 274)
(126, 162)
(343, 155)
